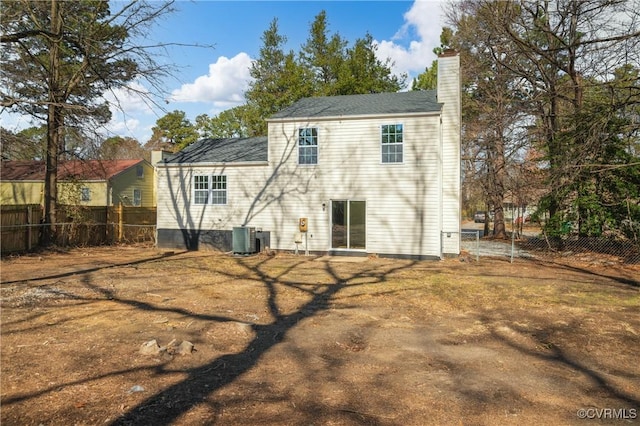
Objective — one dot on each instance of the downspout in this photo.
(440, 191)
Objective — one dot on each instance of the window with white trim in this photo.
(210, 189)
(140, 171)
(85, 194)
(391, 142)
(137, 197)
(308, 145)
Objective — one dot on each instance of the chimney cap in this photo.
(448, 52)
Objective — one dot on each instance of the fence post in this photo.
(513, 244)
(120, 223)
(29, 229)
(477, 246)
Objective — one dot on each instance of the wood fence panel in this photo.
(133, 224)
(81, 225)
(76, 226)
(19, 226)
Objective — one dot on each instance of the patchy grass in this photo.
(301, 340)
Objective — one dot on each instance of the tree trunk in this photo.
(55, 123)
(497, 175)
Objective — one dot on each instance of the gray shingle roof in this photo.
(368, 104)
(231, 150)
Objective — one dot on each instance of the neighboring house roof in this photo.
(230, 150)
(368, 104)
(28, 170)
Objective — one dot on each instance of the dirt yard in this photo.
(295, 340)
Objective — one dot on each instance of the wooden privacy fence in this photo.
(20, 226)
(76, 226)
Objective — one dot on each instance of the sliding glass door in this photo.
(348, 224)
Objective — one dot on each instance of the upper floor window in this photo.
(308, 145)
(391, 143)
(140, 171)
(210, 189)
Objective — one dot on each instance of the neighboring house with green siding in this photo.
(86, 183)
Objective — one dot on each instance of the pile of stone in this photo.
(152, 348)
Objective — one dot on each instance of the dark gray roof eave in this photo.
(364, 105)
(353, 116)
(222, 151)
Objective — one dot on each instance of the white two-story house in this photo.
(365, 174)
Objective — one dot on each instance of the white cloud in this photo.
(425, 19)
(128, 105)
(125, 126)
(133, 99)
(223, 87)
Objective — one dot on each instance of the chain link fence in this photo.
(591, 249)
(532, 242)
(21, 238)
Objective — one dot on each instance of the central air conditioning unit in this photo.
(244, 240)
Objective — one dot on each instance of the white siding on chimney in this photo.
(449, 95)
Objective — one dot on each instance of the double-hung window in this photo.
(137, 197)
(210, 189)
(308, 145)
(391, 141)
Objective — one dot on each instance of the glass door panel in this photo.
(357, 224)
(348, 224)
(339, 224)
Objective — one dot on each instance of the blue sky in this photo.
(212, 80)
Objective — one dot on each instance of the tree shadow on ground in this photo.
(539, 345)
(629, 281)
(162, 256)
(201, 382)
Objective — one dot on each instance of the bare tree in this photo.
(492, 106)
(563, 56)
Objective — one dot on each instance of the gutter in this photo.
(212, 164)
(355, 117)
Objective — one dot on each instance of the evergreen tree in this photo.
(324, 56)
(172, 132)
(362, 72)
(428, 79)
(278, 80)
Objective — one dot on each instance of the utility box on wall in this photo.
(244, 240)
(263, 240)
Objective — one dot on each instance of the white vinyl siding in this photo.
(403, 214)
(410, 208)
(449, 94)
